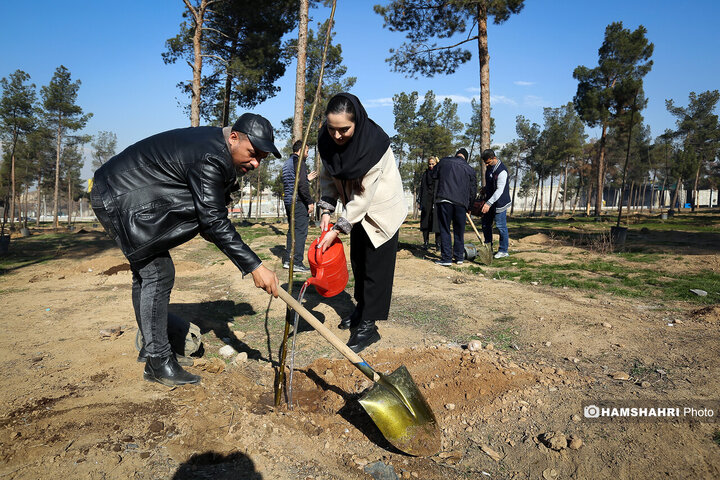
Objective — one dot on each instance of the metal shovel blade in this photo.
(402, 414)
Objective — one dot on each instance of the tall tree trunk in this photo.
(551, 199)
(12, 191)
(226, 99)
(517, 174)
(661, 199)
(564, 187)
(652, 191)
(695, 188)
(37, 213)
(297, 131)
(484, 58)
(25, 202)
(643, 190)
(57, 174)
(69, 219)
(675, 195)
(601, 173)
(587, 197)
(198, 15)
(258, 208)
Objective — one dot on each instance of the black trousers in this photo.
(449, 213)
(374, 270)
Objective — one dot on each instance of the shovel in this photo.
(394, 402)
(485, 252)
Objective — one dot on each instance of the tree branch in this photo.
(448, 47)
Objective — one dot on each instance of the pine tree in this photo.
(63, 116)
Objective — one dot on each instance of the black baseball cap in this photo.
(259, 132)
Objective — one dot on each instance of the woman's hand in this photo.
(327, 240)
(324, 222)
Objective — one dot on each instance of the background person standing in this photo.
(426, 199)
(456, 190)
(497, 202)
(303, 206)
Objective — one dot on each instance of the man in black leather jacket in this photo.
(161, 192)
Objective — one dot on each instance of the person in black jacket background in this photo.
(304, 206)
(161, 192)
(456, 190)
(426, 199)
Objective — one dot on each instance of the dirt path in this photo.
(75, 404)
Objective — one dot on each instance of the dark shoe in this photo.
(425, 246)
(167, 370)
(363, 336)
(182, 360)
(351, 321)
(300, 268)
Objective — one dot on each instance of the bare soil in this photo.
(75, 404)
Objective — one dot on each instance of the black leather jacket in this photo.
(162, 191)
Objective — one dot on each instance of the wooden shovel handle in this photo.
(473, 225)
(322, 329)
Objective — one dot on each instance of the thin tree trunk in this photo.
(564, 188)
(675, 195)
(258, 208)
(695, 188)
(484, 58)
(587, 199)
(542, 196)
(12, 191)
(198, 15)
(652, 191)
(517, 174)
(69, 197)
(601, 173)
(297, 130)
(37, 213)
(661, 199)
(642, 196)
(57, 175)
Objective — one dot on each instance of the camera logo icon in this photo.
(591, 411)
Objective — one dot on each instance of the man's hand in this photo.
(311, 208)
(266, 279)
(486, 208)
(312, 175)
(327, 240)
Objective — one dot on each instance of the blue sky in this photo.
(115, 49)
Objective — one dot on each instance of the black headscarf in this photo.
(362, 152)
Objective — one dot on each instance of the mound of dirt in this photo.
(538, 238)
(709, 314)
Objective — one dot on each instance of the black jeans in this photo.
(374, 271)
(152, 282)
(449, 213)
(302, 222)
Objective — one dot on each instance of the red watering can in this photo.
(329, 268)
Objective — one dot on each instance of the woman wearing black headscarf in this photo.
(360, 171)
